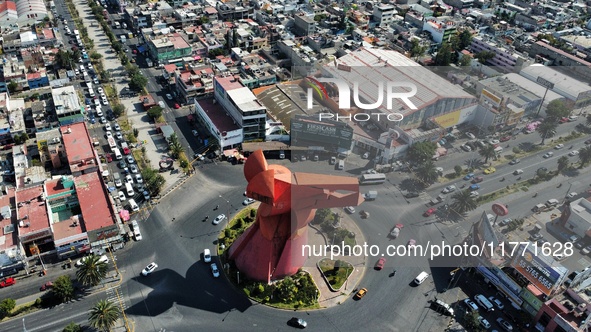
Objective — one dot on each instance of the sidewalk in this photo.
(328, 298)
(155, 145)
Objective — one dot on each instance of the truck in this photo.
(437, 199)
(112, 143)
(7, 282)
(149, 62)
(370, 195)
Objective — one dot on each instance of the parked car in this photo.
(102, 259)
(466, 148)
(559, 146)
(505, 221)
(471, 305)
(483, 322)
(474, 194)
(548, 154)
(474, 187)
(47, 285)
(505, 138)
(572, 195)
(469, 176)
(496, 302)
(7, 282)
(349, 209)
(470, 135)
(504, 324)
(248, 201)
(573, 153)
(411, 194)
(515, 161)
(206, 255)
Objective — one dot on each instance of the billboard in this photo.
(496, 101)
(536, 270)
(308, 131)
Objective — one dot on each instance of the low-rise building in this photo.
(505, 59)
(440, 30)
(67, 105)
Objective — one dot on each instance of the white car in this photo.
(99, 112)
(119, 136)
(130, 160)
(100, 90)
(121, 196)
(102, 259)
(214, 270)
(138, 179)
(571, 195)
(474, 194)
(108, 127)
(494, 141)
(573, 153)
(248, 201)
(95, 80)
(206, 255)
(168, 96)
(149, 269)
(350, 209)
(484, 323)
(449, 189)
(128, 179)
(105, 101)
(219, 219)
(548, 154)
(117, 127)
(109, 134)
(572, 118)
(146, 195)
(559, 146)
(133, 169)
(470, 135)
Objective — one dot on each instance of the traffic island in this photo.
(335, 272)
(296, 292)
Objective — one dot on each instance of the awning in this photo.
(197, 58)
(124, 214)
(141, 48)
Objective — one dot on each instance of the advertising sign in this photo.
(496, 101)
(538, 272)
(310, 132)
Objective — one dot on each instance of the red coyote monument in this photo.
(272, 247)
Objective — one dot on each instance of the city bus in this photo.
(372, 178)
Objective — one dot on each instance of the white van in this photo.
(129, 189)
(133, 205)
(117, 153)
(484, 302)
(341, 165)
(421, 277)
(136, 228)
(91, 92)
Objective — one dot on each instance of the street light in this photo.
(227, 201)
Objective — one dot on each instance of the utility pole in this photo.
(549, 85)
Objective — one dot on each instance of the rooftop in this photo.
(368, 67)
(281, 101)
(563, 53)
(532, 87)
(77, 143)
(228, 83)
(8, 237)
(510, 90)
(31, 210)
(245, 100)
(217, 115)
(65, 99)
(93, 199)
(561, 81)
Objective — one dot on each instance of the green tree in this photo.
(547, 129)
(63, 288)
(483, 57)
(562, 163)
(138, 82)
(557, 109)
(153, 180)
(422, 151)
(427, 172)
(472, 322)
(96, 56)
(12, 86)
(458, 169)
(465, 60)
(118, 110)
(215, 52)
(155, 112)
(64, 58)
(443, 57)
(72, 327)
(103, 315)
(465, 39)
(463, 202)
(584, 156)
(92, 271)
(176, 149)
(287, 290)
(488, 151)
(416, 49)
(322, 215)
(6, 306)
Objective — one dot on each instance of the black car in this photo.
(515, 161)
(411, 194)
(297, 322)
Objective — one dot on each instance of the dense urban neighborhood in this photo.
(270, 165)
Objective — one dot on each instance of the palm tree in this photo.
(103, 315)
(562, 163)
(547, 129)
(92, 271)
(584, 156)
(589, 120)
(176, 149)
(487, 151)
(427, 173)
(463, 202)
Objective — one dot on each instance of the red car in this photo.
(380, 263)
(430, 212)
(46, 286)
(477, 179)
(505, 138)
(7, 282)
(108, 157)
(177, 106)
(563, 120)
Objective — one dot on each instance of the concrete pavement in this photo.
(327, 297)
